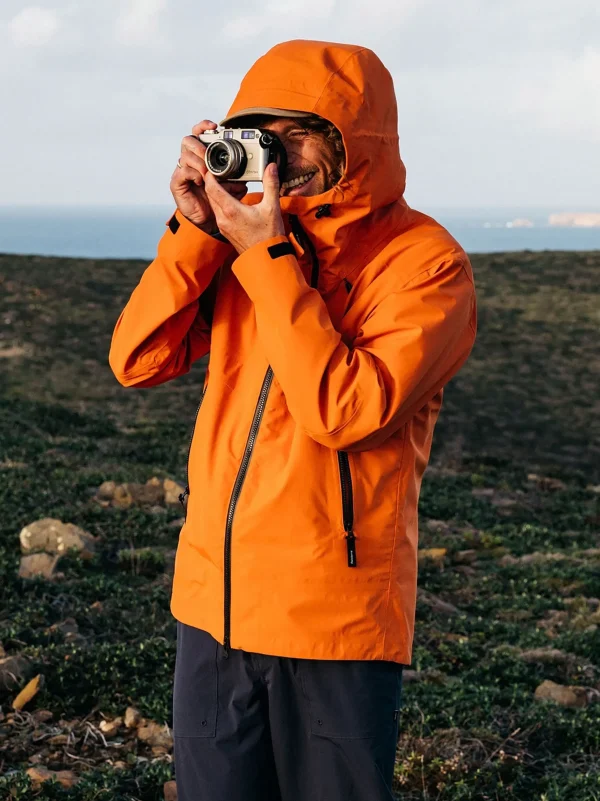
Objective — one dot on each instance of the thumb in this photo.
(271, 184)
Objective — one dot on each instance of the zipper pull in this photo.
(182, 496)
(351, 545)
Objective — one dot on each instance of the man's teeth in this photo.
(297, 181)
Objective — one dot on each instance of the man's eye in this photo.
(297, 134)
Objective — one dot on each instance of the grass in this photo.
(525, 405)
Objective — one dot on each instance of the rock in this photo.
(14, 670)
(172, 492)
(561, 694)
(435, 603)
(38, 775)
(466, 557)
(42, 715)
(149, 494)
(546, 483)
(435, 555)
(430, 675)
(155, 734)
(132, 717)
(440, 526)
(106, 490)
(54, 536)
(546, 656)
(110, 727)
(122, 498)
(170, 791)
(69, 630)
(38, 564)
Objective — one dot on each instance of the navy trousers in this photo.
(252, 727)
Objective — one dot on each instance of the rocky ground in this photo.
(502, 700)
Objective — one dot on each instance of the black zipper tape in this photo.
(237, 488)
(347, 506)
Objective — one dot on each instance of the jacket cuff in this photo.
(189, 246)
(269, 270)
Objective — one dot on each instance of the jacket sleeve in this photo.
(410, 344)
(162, 330)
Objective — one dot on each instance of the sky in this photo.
(498, 100)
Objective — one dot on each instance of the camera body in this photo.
(242, 154)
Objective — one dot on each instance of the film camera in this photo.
(240, 154)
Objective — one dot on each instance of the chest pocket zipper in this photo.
(347, 506)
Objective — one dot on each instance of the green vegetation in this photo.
(515, 471)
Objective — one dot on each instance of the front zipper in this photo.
(302, 237)
(183, 495)
(237, 488)
(347, 506)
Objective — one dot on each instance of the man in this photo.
(334, 315)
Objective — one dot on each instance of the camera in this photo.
(241, 154)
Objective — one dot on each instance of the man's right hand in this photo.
(187, 181)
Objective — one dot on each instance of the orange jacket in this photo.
(319, 404)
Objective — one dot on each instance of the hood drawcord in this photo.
(323, 211)
(304, 240)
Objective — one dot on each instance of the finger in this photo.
(217, 194)
(192, 159)
(187, 174)
(271, 185)
(194, 145)
(238, 189)
(205, 125)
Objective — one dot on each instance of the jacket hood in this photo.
(349, 86)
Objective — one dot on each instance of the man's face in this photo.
(309, 154)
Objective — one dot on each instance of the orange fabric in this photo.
(359, 366)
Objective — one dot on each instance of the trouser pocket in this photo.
(195, 687)
(351, 699)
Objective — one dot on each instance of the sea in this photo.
(130, 232)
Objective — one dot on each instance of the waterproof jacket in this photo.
(329, 348)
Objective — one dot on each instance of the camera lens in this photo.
(226, 158)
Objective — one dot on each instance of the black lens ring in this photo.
(236, 163)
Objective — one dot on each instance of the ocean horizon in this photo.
(132, 232)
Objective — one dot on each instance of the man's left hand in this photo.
(245, 226)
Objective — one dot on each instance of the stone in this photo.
(122, 497)
(106, 490)
(14, 670)
(38, 564)
(147, 494)
(110, 728)
(54, 536)
(38, 775)
(466, 557)
(563, 695)
(546, 656)
(435, 555)
(155, 735)
(172, 492)
(132, 717)
(435, 603)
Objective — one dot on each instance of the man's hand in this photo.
(245, 226)
(187, 182)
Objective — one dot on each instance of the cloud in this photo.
(33, 26)
(566, 99)
(139, 23)
(276, 15)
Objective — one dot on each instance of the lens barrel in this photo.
(226, 158)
